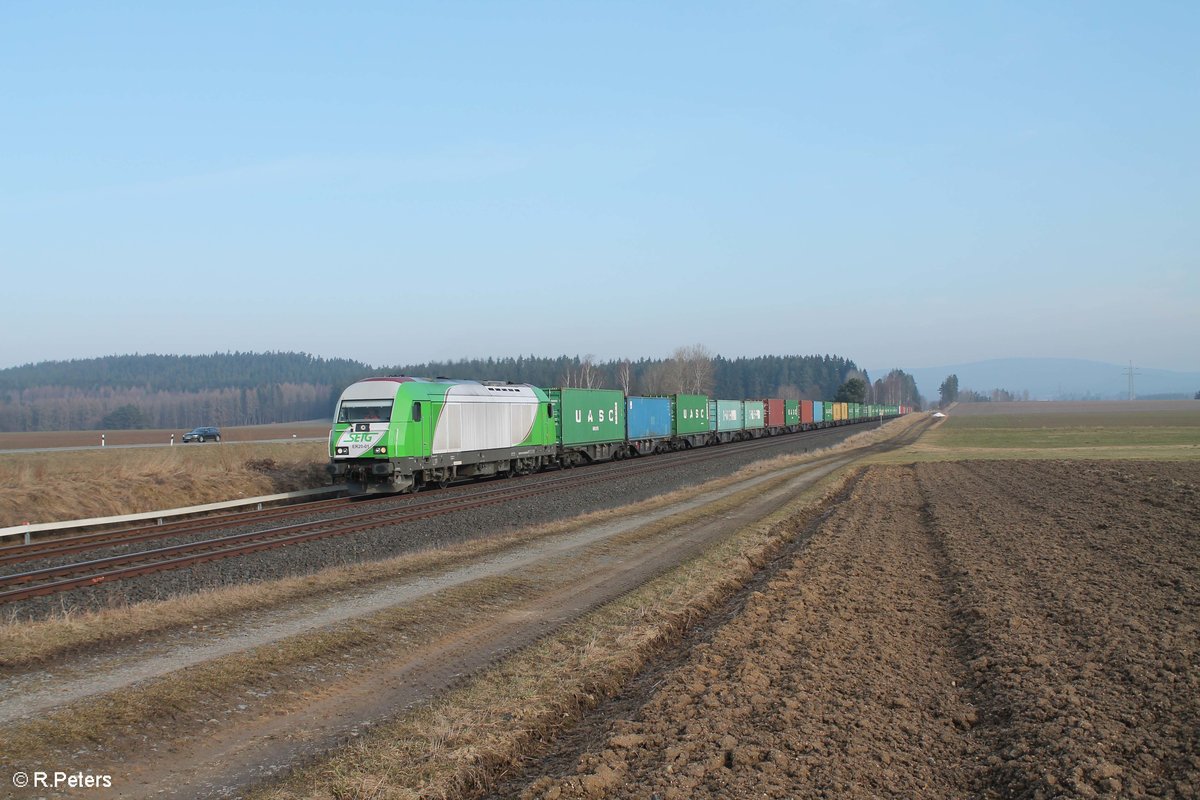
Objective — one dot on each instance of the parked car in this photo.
(203, 435)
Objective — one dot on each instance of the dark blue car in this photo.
(203, 435)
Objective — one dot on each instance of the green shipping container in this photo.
(729, 415)
(588, 416)
(690, 414)
(753, 414)
(828, 411)
(791, 412)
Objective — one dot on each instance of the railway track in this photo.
(92, 572)
(84, 542)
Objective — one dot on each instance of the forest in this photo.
(227, 389)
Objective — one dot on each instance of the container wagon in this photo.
(691, 421)
(806, 415)
(754, 417)
(791, 415)
(589, 424)
(776, 420)
(727, 419)
(648, 424)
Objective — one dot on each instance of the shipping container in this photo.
(791, 413)
(827, 411)
(648, 417)
(588, 416)
(775, 417)
(754, 414)
(690, 414)
(806, 412)
(729, 415)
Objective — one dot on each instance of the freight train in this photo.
(399, 434)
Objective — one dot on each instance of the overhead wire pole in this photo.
(1130, 373)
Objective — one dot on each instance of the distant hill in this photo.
(1058, 379)
(164, 391)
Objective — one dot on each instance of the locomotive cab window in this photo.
(416, 411)
(550, 410)
(365, 411)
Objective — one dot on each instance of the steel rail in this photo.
(81, 543)
(65, 577)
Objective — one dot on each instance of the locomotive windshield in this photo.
(365, 411)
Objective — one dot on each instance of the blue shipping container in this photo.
(648, 417)
(818, 411)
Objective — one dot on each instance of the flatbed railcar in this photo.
(400, 434)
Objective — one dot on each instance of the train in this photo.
(401, 434)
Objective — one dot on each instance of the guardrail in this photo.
(29, 530)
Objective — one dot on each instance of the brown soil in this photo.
(994, 629)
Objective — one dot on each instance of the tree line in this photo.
(949, 392)
(155, 391)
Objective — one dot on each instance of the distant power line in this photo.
(1130, 373)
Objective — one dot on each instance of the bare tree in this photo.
(671, 374)
(624, 376)
(655, 379)
(588, 377)
(788, 391)
(695, 369)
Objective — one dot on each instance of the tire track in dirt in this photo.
(1000, 629)
(224, 762)
(843, 678)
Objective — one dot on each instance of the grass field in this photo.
(1138, 430)
(76, 484)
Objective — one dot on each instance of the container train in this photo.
(399, 434)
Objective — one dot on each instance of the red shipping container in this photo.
(774, 413)
(806, 411)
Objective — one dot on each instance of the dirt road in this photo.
(219, 745)
(995, 629)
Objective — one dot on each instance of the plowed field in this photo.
(994, 629)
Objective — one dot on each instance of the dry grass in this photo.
(1067, 433)
(48, 487)
(24, 644)
(454, 746)
(183, 701)
(292, 672)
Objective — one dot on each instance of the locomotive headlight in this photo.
(342, 451)
(381, 451)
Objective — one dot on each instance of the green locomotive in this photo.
(399, 434)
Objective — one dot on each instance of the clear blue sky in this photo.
(905, 184)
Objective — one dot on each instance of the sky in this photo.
(905, 184)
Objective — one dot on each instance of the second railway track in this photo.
(31, 583)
